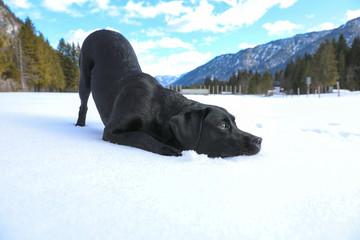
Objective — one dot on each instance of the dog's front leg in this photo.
(139, 139)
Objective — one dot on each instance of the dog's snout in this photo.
(257, 141)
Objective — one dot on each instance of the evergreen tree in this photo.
(325, 65)
(342, 57)
(27, 37)
(68, 54)
(288, 75)
(341, 66)
(254, 83)
(4, 56)
(8, 69)
(266, 83)
(208, 81)
(353, 68)
(41, 63)
(244, 80)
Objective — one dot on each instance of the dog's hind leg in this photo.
(84, 92)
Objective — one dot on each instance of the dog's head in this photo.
(212, 130)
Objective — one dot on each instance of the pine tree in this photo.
(289, 75)
(254, 83)
(266, 83)
(354, 66)
(341, 66)
(208, 81)
(325, 65)
(69, 54)
(43, 62)
(8, 69)
(244, 80)
(29, 46)
(342, 58)
(3, 55)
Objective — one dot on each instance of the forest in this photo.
(333, 61)
(30, 61)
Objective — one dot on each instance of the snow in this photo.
(58, 181)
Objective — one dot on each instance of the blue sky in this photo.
(173, 37)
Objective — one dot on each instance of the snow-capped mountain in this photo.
(271, 56)
(166, 80)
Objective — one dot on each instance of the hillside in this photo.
(9, 23)
(10, 27)
(272, 56)
(29, 63)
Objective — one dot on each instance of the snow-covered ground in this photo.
(58, 181)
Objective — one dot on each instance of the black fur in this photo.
(137, 111)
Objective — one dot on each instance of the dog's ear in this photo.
(186, 127)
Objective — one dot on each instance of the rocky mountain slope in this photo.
(272, 56)
(9, 24)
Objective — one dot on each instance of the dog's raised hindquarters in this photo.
(137, 111)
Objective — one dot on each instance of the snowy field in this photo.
(58, 181)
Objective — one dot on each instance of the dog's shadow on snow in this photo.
(58, 125)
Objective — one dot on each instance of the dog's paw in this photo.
(80, 124)
(170, 151)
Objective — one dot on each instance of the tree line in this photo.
(30, 61)
(333, 61)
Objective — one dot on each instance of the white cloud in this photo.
(350, 14)
(174, 64)
(67, 5)
(79, 35)
(20, 3)
(207, 41)
(61, 5)
(228, 2)
(142, 10)
(201, 15)
(246, 45)
(200, 18)
(113, 11)
(143, 47)
(239, 14)
(102, 4)
(287, 3)
(281, 27)
(165, 42)
(324, 26)
(151, 32)
(309, 16)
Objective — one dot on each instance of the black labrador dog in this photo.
(137, 111)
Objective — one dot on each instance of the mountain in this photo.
(10, 26)
(272, 56)
(166, 79)
(9, 23)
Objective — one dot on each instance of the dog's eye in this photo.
(223, 125)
